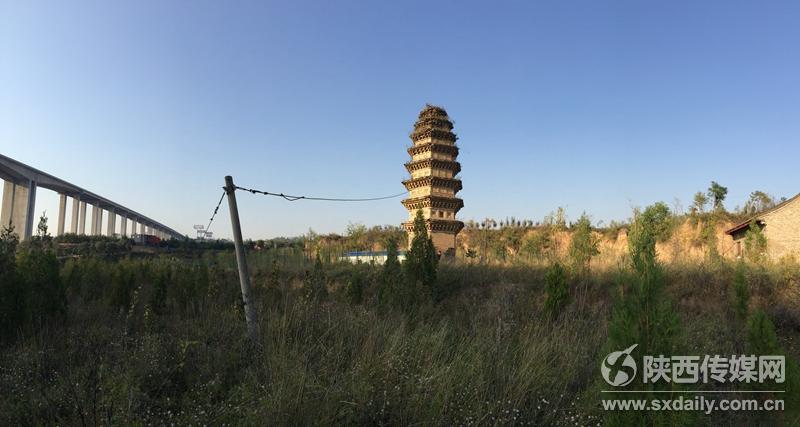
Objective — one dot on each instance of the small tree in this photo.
(538, 244)
(584, 245)
(38, 269)
(759, 201)
(709, 237)
(471, 254)
(700, 202)
(643, 315)
(391, 276)
(741, 292)
(755, 242)
(650, 226)
(356, 237)
(557, 289)
(41, 228)
(761, 336)
(354, 290)
(421, 259)
(315, 284)
(12, 297)
(512, 238)
(717, 194)
(762, 340)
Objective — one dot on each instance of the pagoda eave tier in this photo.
(433, 181)
(455, 167)
(433, 147)
(438, 225)
(433, 123)
(433, 133)
(432, 111)
(433, 202)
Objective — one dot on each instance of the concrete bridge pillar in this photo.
(100, 213)
(142, 229)
(93, 222)
(62, 214)
(123, 226)
(82, 220)
(133, 227)
(76, 201)
(111, 226)
(96, 218)
(9, 190)
(18, 207)
(30, 209)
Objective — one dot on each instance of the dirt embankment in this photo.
(688, 242)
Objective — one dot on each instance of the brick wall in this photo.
(782, 230)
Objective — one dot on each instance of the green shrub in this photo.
(158, 298)
(539, 244)
(649, 227)
(33, 293)
(122, 285)
(557, 290)
(354, 290)
(762, 340)
(755, 243)
(709, 238)
(422, 260)
(315, 284)
(583, 245)
(741, 292)
(643, 314)
(761, 336)
(12, 290)
(391, 279)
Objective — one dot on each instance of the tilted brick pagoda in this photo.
(434, 183)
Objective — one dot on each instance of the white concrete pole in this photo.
(112, 223)
(82, 220)
(244, 276)
(123, 226)
(62, 214)
(142, 229)
(100, 213)
(76, 202)
(133, 227)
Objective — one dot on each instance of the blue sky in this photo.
(595, 106)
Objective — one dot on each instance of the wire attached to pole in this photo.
(215, 210)
(326, 199)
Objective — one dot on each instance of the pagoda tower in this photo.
(434, 183)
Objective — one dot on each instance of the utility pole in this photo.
(241, 261)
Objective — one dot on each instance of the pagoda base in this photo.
(442, 232)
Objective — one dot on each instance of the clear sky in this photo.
(595, 106)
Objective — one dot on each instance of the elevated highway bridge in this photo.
(19, 201)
